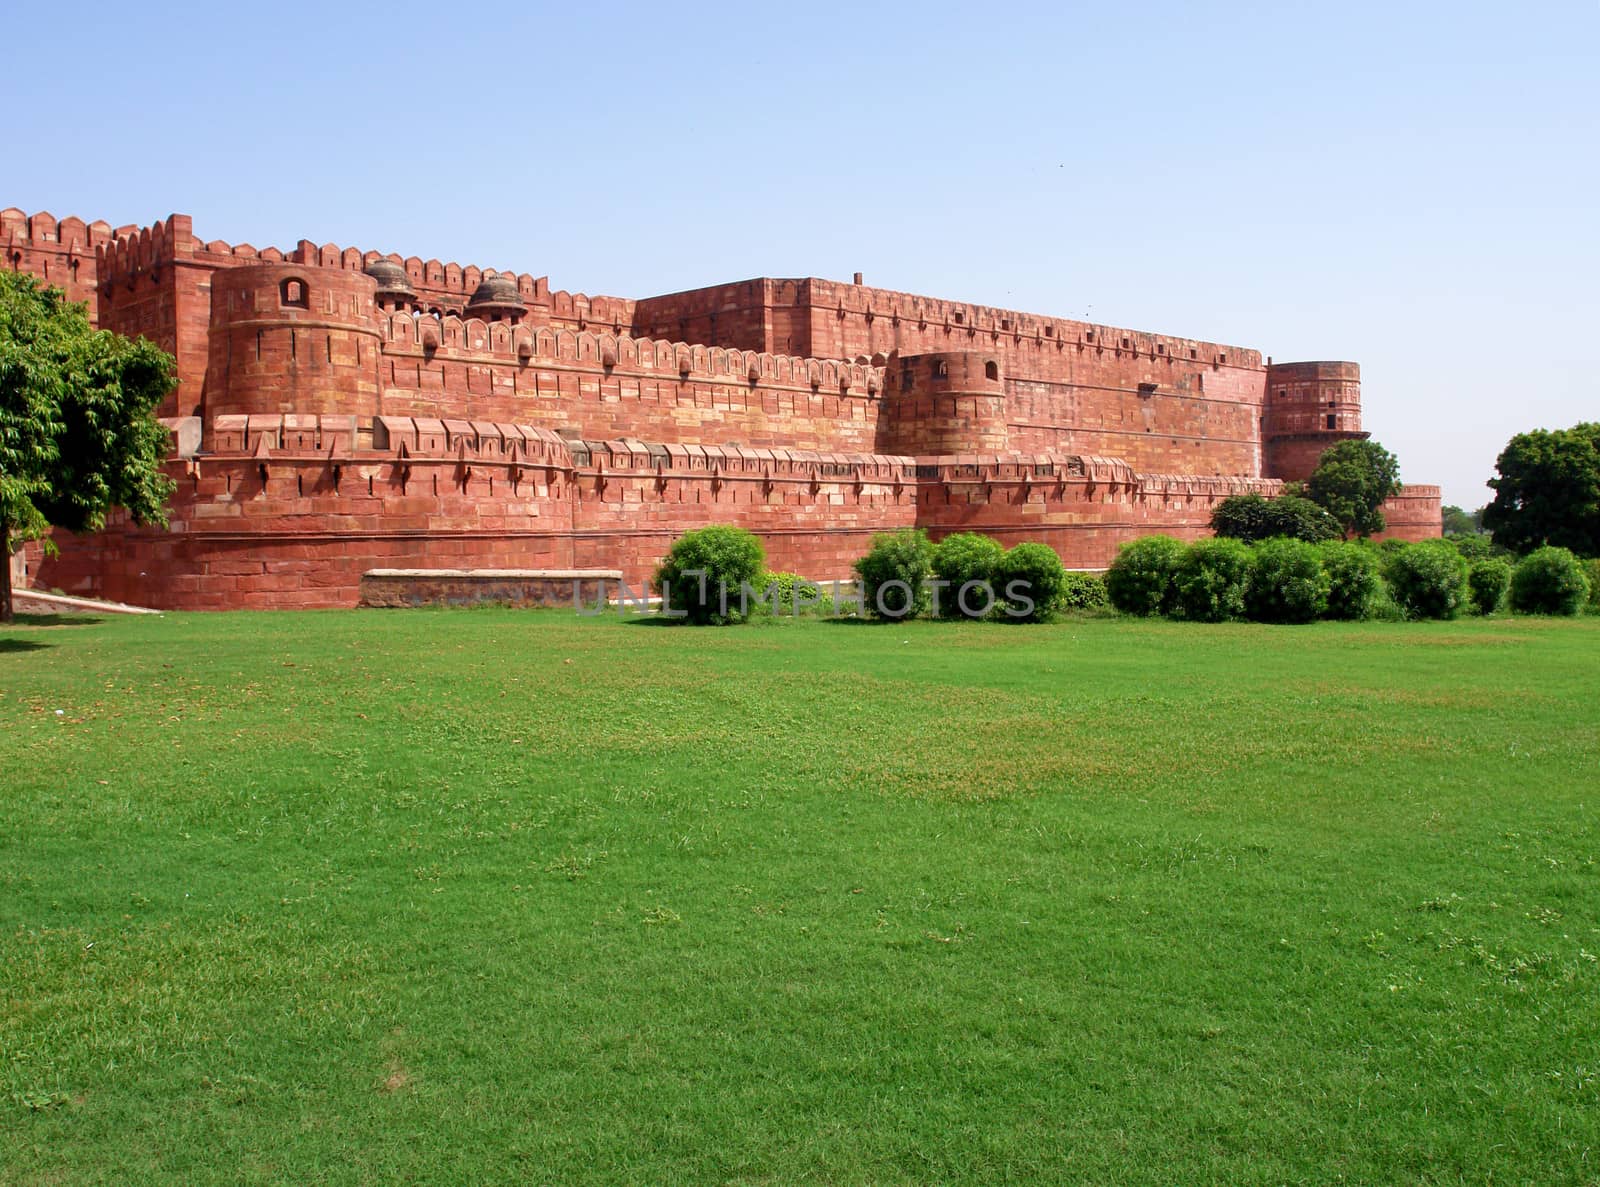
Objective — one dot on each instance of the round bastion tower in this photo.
(1309, 408)
(293, 338)
(939, 404)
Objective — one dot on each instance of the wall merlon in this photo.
(18, 229)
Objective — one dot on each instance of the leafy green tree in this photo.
(1457, 522)
(1548, 491)
(1351, 482)
(78, 434)
(1251, 518)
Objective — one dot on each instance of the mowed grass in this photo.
(478, 896)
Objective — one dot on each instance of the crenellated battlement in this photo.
(973, 323)
(43, 229)
(132, 252)
(497, 342)
(60, 252)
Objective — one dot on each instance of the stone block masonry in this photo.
(340, 410)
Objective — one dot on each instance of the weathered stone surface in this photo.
(571, 588)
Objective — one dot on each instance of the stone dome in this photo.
(497, 296)
(393, 283)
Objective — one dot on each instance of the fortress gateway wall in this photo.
(341, 409)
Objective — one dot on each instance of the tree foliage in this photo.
(1548, 491)
(1351, 481)
(78, 434)
(1251, 518)
(1458, 522)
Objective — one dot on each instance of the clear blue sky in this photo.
(1412, 186)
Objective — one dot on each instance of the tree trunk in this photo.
(5, 577)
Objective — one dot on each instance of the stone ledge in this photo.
(469, 587)
(502, 574)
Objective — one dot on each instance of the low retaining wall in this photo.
(468, 587)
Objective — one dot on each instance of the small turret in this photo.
(945, 403)
(394, 286)
(292, 338)
(496, 299)
(1308, 409)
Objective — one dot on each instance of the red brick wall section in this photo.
(1413, 514)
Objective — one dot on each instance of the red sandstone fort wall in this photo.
(591, 431)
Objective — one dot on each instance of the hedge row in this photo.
(968, 575)
(1288, 580)
(1280, 580)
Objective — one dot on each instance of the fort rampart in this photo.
(341, 410)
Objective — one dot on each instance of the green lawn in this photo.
(472, 896)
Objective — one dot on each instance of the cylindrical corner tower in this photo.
(938, 404)
(1309, 407)
(292, 338)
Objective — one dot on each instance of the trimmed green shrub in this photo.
(962, 558)
(700, 578)
(790, 590)
(1354, 586)
(1428, 579)
(1591, 570)
(1028, 581)
(1549, 580)
(1287, 582)
(1474, 547)
(1383, 607)
(1083, 591)
(1139, 580)
(1212, 580)
(1487, 581)
(894, 575)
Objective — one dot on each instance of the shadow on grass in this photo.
(8, 645)
(25, 620)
